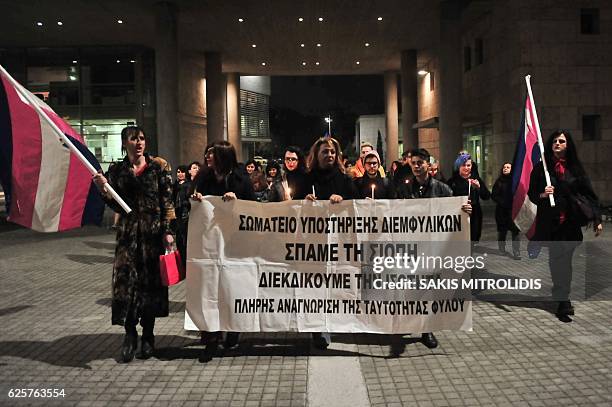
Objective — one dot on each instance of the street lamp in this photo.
(328, 120)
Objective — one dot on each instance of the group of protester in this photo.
(161, 211)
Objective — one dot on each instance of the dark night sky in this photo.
(299, 104)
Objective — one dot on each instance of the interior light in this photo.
(317, 63)
(302, 45)
(118, 61)
(379, 19)
(60, 23)
(367, 44)
(320, 19)
(300, 19)
(318, 44)
(132, 61)
(39, 24)
(303, 63)
(263, 64)
(254, 45)
(119, 21)
(74, 61)
(241, 20)
(423, 72)
(357, 62)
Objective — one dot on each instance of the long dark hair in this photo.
(128, 132)
(224, 157)
(571, 153)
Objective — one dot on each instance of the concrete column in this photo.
(233, 112)
(391, 113)
(410, 113)
(166, 82)
(449, 85)
(215, 97)
(192, 106)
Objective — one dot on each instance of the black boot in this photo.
(130, 342)
(212, 344)
(147, 343)
(231, 340)
(564, 310)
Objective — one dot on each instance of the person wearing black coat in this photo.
(328, 177)
(463, 181)
(558, 226)
(502, 195)
(383, 187)
(293, 182)
(180, 197)
(221, 177)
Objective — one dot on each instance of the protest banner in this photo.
(307, 266)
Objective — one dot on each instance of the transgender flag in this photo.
(527, 155)
(48, 187)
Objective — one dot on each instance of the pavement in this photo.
(56, 334)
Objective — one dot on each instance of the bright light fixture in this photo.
(74, 61)
(60, 23)
(367, 44)
(422, 72)
(318, 44)
(241, 20)
(379, 19)
(254, 45)
(357, 62)
(317, 63)
(132, 61)
(303, 63)
(302, 45)
(300, 19)
(320, 19)
(118, 61)
(263, 64)
(39, 24)
(119, 21)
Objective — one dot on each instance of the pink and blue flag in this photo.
(47, 188)
(527, 155)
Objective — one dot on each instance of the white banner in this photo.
(307, 266)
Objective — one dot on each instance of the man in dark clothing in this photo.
(372, 182)
(423, 185)
(404, 173)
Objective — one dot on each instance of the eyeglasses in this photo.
(291, 159)
(559, 141)
(372, 163)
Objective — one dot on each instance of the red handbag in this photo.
(171, 268)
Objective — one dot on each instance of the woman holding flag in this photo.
(559, 225)
(145, 182)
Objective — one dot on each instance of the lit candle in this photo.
(373, 186)
(313, 192)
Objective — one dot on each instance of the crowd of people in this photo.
(161, 211)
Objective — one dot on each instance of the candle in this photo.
(469, 187)
(373, 186)
(313, 192)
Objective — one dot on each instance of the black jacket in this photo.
(548, 226)
(296, 180)
(383, 187)
(431, 189)
(329, 182)
(236, 181)
(459, 185)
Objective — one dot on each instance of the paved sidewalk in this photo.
(56, 333)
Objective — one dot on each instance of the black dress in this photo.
(459, 185)
(502, 196)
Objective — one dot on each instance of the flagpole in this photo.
(540, 142)
(28, 96)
